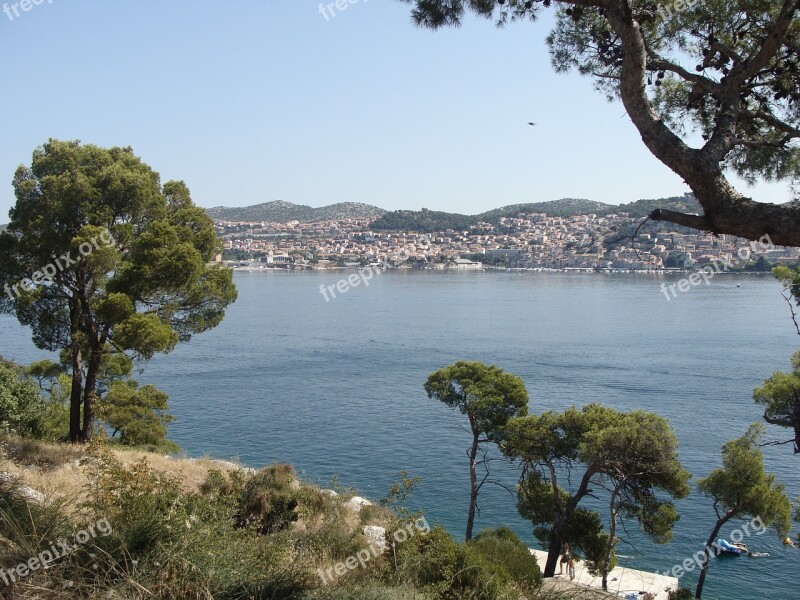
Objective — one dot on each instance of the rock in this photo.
(356, 503)
(233, 466)
(330, 493)
(375, 535)
(30, 494)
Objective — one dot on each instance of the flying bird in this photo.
(532, 124)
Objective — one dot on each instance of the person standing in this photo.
(564, 559)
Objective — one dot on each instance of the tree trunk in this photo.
(701, 580)
(473, 489)
(612, 530)
(77, 376)
(726, 210)
(75, 395)
(89, 395)
(560, 524)
(554, 550)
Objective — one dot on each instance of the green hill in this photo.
(423, 220)
(566, 207)
(428, 220)
(280, 211)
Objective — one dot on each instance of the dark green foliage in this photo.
(136, 278)
(632, 456)
(780, 396)
(138, 414)
(488, 397)
(742, 488)
(269, 500)
(424, 220)
(21, 408)
(504, 549)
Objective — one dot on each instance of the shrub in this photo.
(502, 548)
(269, 499)
(448, 570)
(21, 408)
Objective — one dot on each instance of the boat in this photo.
(725, 547)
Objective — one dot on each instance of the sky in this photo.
(250, 101)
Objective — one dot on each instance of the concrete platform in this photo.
(621, 580)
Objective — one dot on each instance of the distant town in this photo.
(525, 241)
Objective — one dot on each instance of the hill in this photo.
(427, 220)
(566, 207)
(423, 220)
(280, 211)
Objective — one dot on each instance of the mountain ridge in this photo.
(280, 211)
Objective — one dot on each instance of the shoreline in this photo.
(519, 270)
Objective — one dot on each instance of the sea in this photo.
(334, 386)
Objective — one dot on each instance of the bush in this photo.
(442, 567)
(502, 548)
(22, 410)
(269, 499)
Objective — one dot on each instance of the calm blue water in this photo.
(336, 387)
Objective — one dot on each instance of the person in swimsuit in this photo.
(564, 559)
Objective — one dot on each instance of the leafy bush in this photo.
(442, 567)
(21, 407)
(502, 548)
(269, 499)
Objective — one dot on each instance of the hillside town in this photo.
(526, 241)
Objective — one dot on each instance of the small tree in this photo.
(488, 397)
(741, 488)
(638, 456)
(138, 414)
(780, 395)
(633, 456)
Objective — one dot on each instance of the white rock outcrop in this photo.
(356, 503)
(375, 535)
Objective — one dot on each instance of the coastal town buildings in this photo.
(528, 240)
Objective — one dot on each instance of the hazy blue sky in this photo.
(256, 100)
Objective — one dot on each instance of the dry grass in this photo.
(58, 470)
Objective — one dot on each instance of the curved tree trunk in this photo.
(560, 524)
(726, 210)
(702, 579)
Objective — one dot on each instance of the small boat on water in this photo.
(725, 547)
